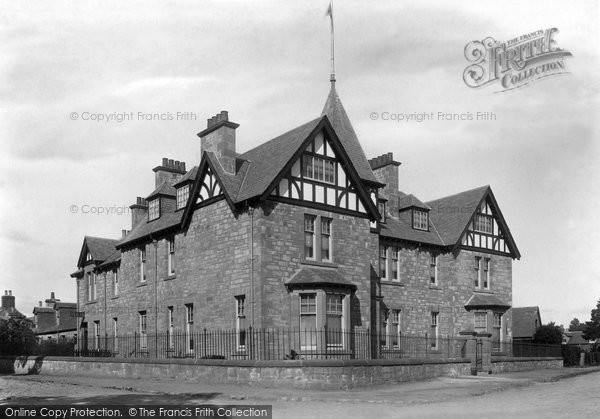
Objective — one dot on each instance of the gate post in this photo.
(471, 349)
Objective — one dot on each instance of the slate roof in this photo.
(144, 228)
(401, 228)
(341, 124)
(190, 176)
(410, 200)
(7, 313)
(114, 258)
(575, 338)
(485, 301)
(164, 189)
(268, 159)
(316, 276)
(523, 319)
(451, 214)
(99, 247)
(43, 310)
(64, 305)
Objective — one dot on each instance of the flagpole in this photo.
(330, 12)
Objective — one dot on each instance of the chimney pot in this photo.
(171, 162)
(224, 116)
(9, 292)
(183, 166)
(218, 117)
(40, 303)
(5, 292)
(52, 295)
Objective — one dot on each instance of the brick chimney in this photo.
(139, 210)
(385, 169)
(169, 171)
(8, 300)
(219, 137)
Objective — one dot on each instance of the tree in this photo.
(592, 328)
(16, 336)
(549, 334)
(576, 326)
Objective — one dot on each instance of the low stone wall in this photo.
(508, 364)
(325, 374)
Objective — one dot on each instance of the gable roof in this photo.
(190, 176)
(410, 200)
(452, 214)
(575, 338)
(523, 319)
(100, 248)
(164, 189)
(267, 160)
(113, 259)
(401, 228)
(144, 228)
(341, 124)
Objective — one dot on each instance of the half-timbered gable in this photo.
(321, 175)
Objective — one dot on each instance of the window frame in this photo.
(481, 325)
(240, 321)
(395, 263)
(383, 261)
(310, 233)
(485, 221)
(143, 328)
(170, 326)
(326, 238)
(420, 219)
(154, 209)
(319, 167)
(433, 268)
(334, 338)
(312, 333)
(115, 282)
(183, 194)
(189, 326)
(487, 265)
(171, 256)
(435, 328)
(142, 262)
(477, 271)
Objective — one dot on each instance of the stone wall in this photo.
(506, 364)
(330, 374)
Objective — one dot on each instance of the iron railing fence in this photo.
(414, 346)
(280, 344)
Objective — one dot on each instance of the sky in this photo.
(64, 173)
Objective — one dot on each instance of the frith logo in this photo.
(515, 63)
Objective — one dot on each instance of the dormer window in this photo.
(420, 220)
(88, 257)
(183, 194)
(153, 209)
(319, 169)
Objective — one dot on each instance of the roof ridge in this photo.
(458, 193)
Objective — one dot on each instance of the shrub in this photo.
(571, 355)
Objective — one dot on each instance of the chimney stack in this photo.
(385, 169)
(40, 303)
(139, 211)
(8, 301)
(169, 171)
(219, 138)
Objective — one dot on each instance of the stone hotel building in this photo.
(302, 233)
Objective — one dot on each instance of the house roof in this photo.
(451, 214)
(10, 312)
(144, 228)
(523, 319)
(316, 276)
(64, 305)
(400, 228)
(485, 301)
(190, 176)
(100, 248)
(408, 201)
(63, 327)
(43, 310)
(111, 260)
(164, 189)
(341, 124)
(267, 160)
(575, 338)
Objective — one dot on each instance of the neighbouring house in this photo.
(300, 233)
(526, 321)
(55, 319)
(8, 309)
(576, 339)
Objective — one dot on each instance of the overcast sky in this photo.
(267, 63)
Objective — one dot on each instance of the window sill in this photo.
(482, 291)
(318, 263)
(435, 287)
(170, 277)
(142, 284)
(393, 283)
(91, 302)
(114, 297)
